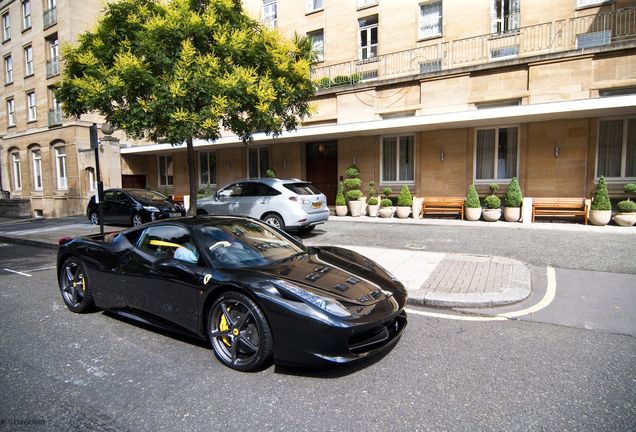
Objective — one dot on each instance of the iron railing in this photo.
(558, 36)
(55, 116)
(53, 67)
(50, 17)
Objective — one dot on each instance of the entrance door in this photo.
(322, 168)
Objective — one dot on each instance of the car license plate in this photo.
(174, 214)
(316, 205)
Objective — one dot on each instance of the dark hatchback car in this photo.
(133, 207)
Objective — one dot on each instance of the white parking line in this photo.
(17, 272)
(545, 301)
(30, 271)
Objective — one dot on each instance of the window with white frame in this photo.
(6, 27)
(318, 44)
(269, 12)
(585, 3)
(616, 157)
(26, 14)
(10, 112)
(207, 168)
(8, 70)
(430, 19)
(28, 61)
(314, 5)
(398, 159)
(37, 169)
(165, 170)
(505, 16)
(31, 107)
(496, 153)
(17, 172)
(368, 37)
(365, 3)
(60, 164)
(90, 172)
(258, 163)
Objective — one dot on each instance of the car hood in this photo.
(339, 273)
(162, 205)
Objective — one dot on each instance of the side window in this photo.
(169, 241)
(121, 197)
(234, 190)
(109, 196)
(259, 189)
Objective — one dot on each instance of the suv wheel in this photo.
(275, 221)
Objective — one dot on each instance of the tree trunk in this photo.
(192, 173)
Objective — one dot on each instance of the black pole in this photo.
(100, 184)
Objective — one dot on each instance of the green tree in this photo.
(186, 69)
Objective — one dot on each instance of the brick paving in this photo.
(466, 275)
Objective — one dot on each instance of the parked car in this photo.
(287, 204)
(253, 291)
(133, 207)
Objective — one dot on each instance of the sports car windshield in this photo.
(147, 195)
(243, 243)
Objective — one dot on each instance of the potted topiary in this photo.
(626, 214)
(492, 213)
(353, 183)
(601, 209)
(404, 203)
(386, 205)
(373, 202)
(341, 203)
(512, 201)
(472, 205)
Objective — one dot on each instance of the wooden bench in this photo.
(443, 205)
(559, 207)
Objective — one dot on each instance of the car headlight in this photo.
(328, 304)
(151, 209)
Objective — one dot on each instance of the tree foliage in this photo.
(183, 69)
(601, 196)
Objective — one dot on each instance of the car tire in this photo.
(94, 218)
(75, 287)
(239, 332)
(306, 230)
(136, 219)
(275, 221)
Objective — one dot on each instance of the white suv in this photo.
(287, 204)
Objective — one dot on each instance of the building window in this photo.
(505, 16)
(31, 107)
(53, 62)
(398, 159)
(430, 19)
(314, 5)
(318, 44)
(165, 170)
(26, 15)
(496, 153)
(11, 112)
(17, 174)
(92, 184)
(28, 61)
(365, 3)
(50, 14)
(37, 169)
(6, 27)
(55, 108)
(617, 149)
(589, 3)
(207, 168)
(8, 70)
(368, 37)
(258, 162)
(60, 159)
(269, 12)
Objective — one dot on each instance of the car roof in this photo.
(273, 180)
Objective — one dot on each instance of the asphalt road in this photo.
(61, 371)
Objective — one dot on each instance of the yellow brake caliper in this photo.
(224, 327)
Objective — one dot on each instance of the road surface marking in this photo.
(17, 272)
(30, 271)
(545, 301)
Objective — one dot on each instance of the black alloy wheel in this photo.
(239, 332)
(275, 221)
(75, 287)
(94, 218)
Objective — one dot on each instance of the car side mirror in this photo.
(171, 266)
(215, 196)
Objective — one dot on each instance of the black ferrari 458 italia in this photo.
(253, 291)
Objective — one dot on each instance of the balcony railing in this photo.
(50, 17)
(558, 36)
(55, 116)
(53, 67)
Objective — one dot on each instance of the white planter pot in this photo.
(600, 217)
(492, 215)
(373, 210)
(403, 212)
(625, 219)
(472, 213)
(386, 212)
(341, 210)
(355, 208)
(512, 214)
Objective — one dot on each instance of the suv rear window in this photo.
(302, 188)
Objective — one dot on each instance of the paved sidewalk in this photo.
(432, 279)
